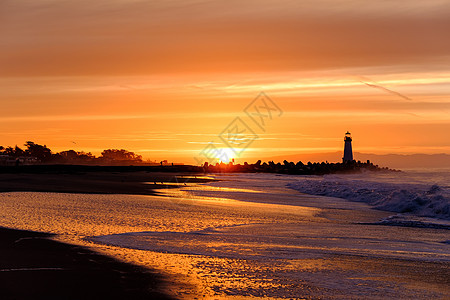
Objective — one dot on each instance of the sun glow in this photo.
(225, 155)
(164, 78)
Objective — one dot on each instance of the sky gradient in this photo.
(164, 78)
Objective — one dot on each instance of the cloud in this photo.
(153, 37)
(387, 90)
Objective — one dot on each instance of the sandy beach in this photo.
(33, 265)
(243, 236)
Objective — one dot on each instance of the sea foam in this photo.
(418, 199)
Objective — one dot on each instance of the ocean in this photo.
(414, 192)
(250, 236)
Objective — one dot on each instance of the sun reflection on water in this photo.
(226, 248)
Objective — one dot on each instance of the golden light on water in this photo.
(243, 237)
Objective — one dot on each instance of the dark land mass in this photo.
(32, 266)
(144, 180)
(316, 168)
(95, 182)
(73, 169)
(299, 168)
(400, 161)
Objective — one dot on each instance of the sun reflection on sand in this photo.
(76, 216)
(226, 248)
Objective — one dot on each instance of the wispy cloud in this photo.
(380, 87)
(51, 118)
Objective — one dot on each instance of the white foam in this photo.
(421, 198)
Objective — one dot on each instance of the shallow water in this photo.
(248, 236)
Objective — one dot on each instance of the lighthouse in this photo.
(348, 153)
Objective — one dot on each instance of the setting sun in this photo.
(121, 82)
(226, 155)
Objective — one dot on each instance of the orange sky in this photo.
(165, 78)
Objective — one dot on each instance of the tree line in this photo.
(45, 155)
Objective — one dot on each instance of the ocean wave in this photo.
(418, 199)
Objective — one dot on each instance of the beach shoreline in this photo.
(318, 246)
(70, 270)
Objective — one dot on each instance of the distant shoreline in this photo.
(103, 180)
(316, 168)
(144, 180)
(70, 168)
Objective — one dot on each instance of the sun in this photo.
(226, 155)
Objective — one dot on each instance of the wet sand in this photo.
(32, 266)
(245, 237)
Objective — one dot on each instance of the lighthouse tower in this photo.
(348, 153)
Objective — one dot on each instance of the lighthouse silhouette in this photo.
(348, 153)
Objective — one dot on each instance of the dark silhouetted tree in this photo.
(9, 151)
(74, 156)
(68, 155)
(40, 152)
(18, 151)
(122, 154)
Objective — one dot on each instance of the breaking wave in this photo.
(418, 199)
